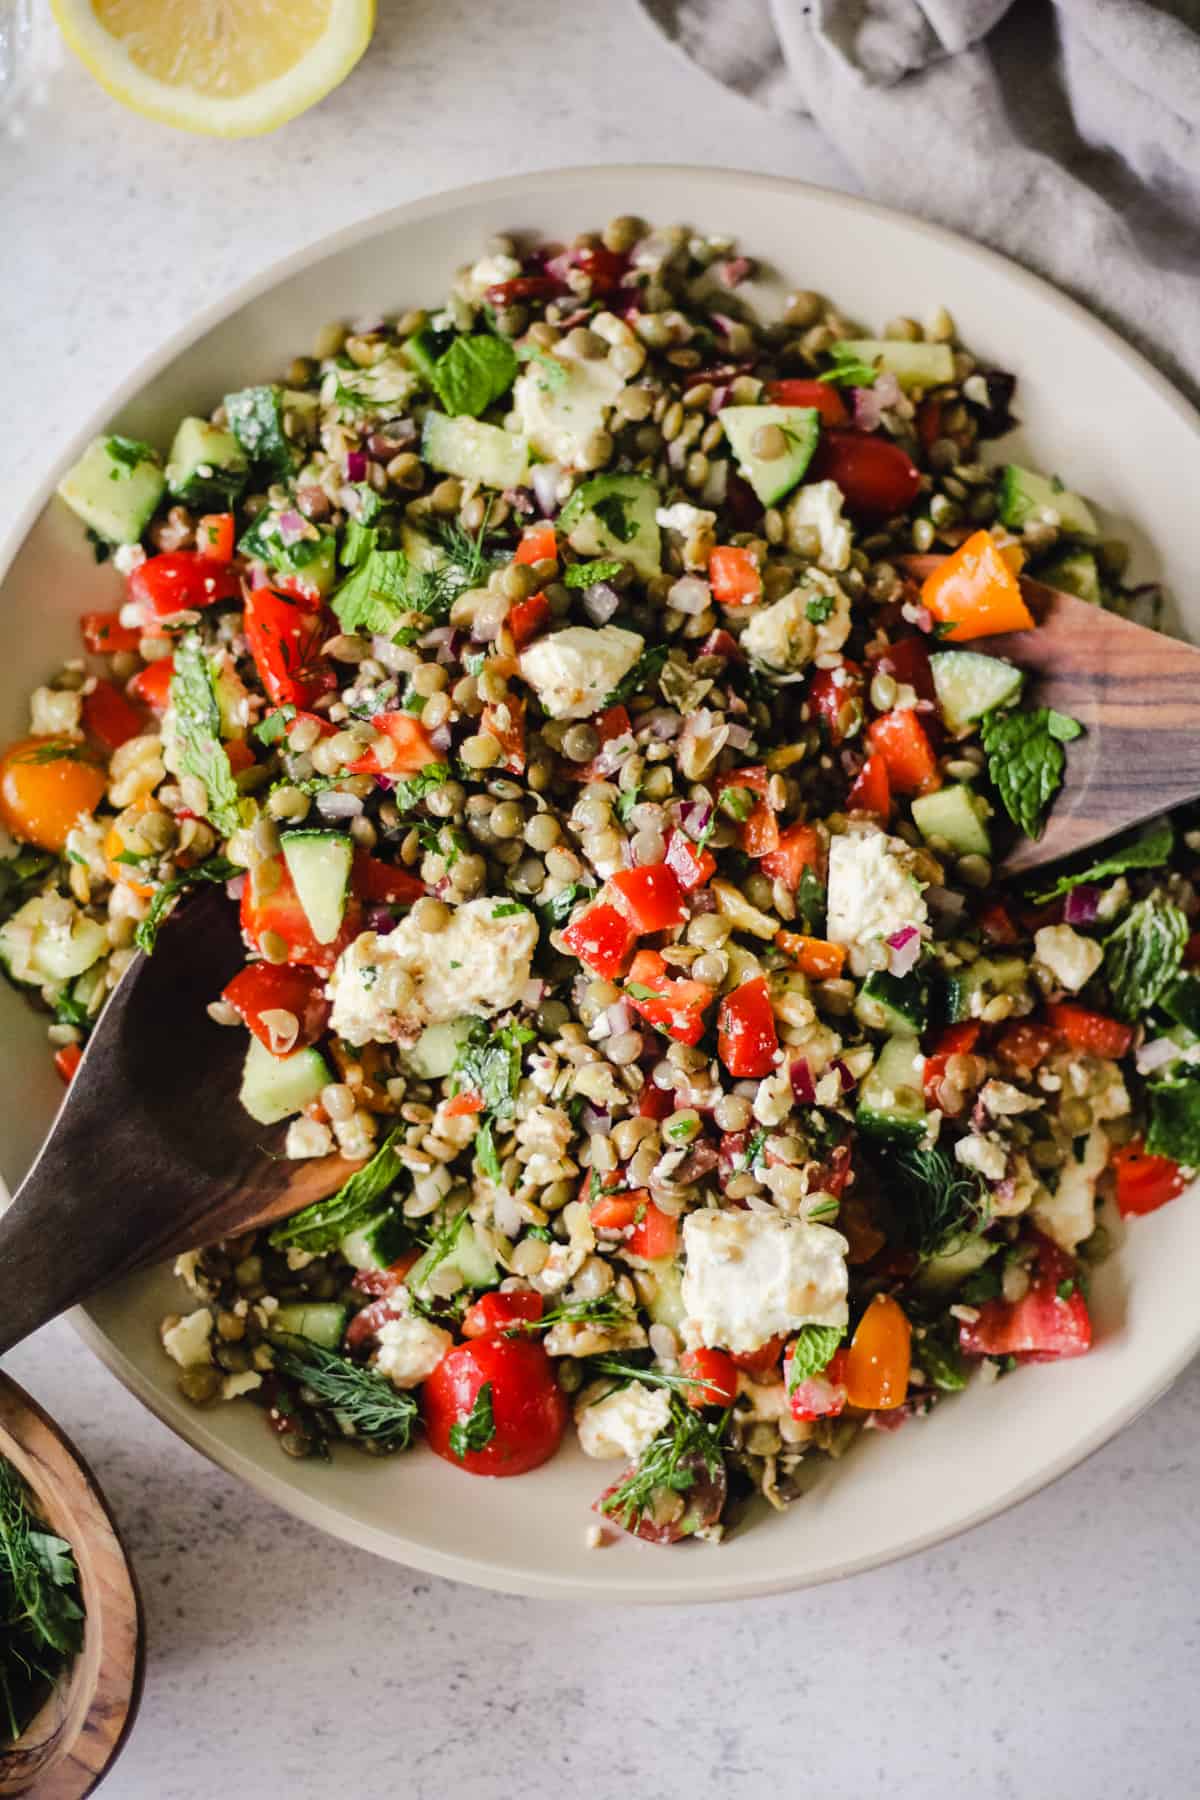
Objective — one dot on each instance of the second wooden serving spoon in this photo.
(1137, 695)
(151, 1153)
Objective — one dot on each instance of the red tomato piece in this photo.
(269, 987)
(522, 287)
(412, 750)
(758, 830)
(830, 693)
(900, 739)
(747, 1041)
(996, 924)
(717, 1371)
(733, 576)
(108, 716)
(270, 903)
(821, 1396)
(800, 847)
(602, 938)
(674, 1006)
(1144, 1182)
(152, 685)
(67, 1060)
(179, 581)
(908, 660)
(690, 865)
(285, 637)
(528, 1408)
(1024, 1045)
(650, 897)
(495, 1313)
(655, 1234)
(1093, 1032)
(384, 883)
(539, 543)
(876, 477)
(955, 1040)
(761, 1364)
(655, 1102)
(527, 618)
(104, 634)
(871, 792)
(877, 1364)
(604, 267)
(1048, 1322)
(215, 537)
(1191, 950)
(820, 394)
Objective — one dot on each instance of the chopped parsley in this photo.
(127, 453)
(489, 1064)
(849, 369)
(644, 673)
(818, 609)
(586, 574)
(552, 374)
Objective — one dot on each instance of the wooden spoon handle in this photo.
(39, 1276)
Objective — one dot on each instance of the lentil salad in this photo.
(611, 820)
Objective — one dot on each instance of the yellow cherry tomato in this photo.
(45, 784)
(878, 1361)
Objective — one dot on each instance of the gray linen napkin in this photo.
(1066, 135)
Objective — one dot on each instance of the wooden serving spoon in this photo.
(151, 1152)
(1137, 695)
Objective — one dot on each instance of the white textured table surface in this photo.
(1052, 1652)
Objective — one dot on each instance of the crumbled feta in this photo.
(410, 1349)
(1070, 958)
(389, 986)
(187, 1270)
(187, 1343)
(571, 671)
(559, 413)
(307, 1137)
(749, 1276)
(55, 712)
(490, 271)
(623, 1421)
(815, 525)
(813, 620)
(685, 519)
(1068, 1215)
(245, 1382)
(986, 1154)
(872, 893)
(127, 558)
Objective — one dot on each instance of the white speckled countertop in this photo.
(1051, 1652)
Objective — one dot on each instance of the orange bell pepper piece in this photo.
(976, 591)
(812, 956)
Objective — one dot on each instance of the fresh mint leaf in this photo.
(1026, 762)
(274, 726)
(586, 574)
(812, 1348)
(321, 1227)
(474, 372)
(217, 868)
(198, 733)
(1142, 956)
(1174, 1128)
(1149, 850)
(489, 1064)
(477, 1430)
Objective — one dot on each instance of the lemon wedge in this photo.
(231, 68)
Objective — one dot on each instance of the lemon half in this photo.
(231, 68)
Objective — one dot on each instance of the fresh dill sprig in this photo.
(945, 1203)
(671, 1461)
(623, 1371)
(365, 1404)
(41, 1620)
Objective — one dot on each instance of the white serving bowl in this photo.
(1090, 409)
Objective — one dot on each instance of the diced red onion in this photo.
(803, 1086)
(521, 500)
(700, 1161)
(618, 750)
(944, 900)
(694, 816)
(356, 465)
(594, 1120)
(380, 918)
(689, 595)
(333, 804)
(1082, 904)
(534, 991)
(661, 724)
(724, 323)
(740, 737)
(619, 1017)
(904, 950)
(734, 270)
(1156, 1054)
(702, 901)
(870, 403)
(600, 602)
(544, 479)
(844, 1076)
(441, 739)
(235, 887)
(291, 527)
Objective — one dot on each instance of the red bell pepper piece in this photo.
(900, 739)
(650, 897)
(1144, 1182)
(871, 792)
(527, 618)
(1024, 1045)
(108, 716)
(829, 690)
(1049, 1322)
(67, 1060)
(996, 924)
(410, 741)
(104, 635)
(655, 1102)
(1093, 1032)
(761, 1364)
(714, 1374)
(152, 685)
(758, 831)
(267, 987)
(747, 1040)
(691, 866)
(215, 537)
(383, 883)
(285, 637)
(820, 1396)
(613, 722)
(522, 287)
(955, 1040)
(733, 576)
(492, 1314)
(908, 661)
(800, 847)
(602, 938)
(539, 543)
(820, 394)
(653, 1234)
(976, 593)
(674, 1005)
(179, 581)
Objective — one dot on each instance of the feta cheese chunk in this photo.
(1070, 958)
(622, 1422)
(571, 671)
(684, 518)
(388, 987)
(872, 893)
(187, 1342)
(813, 620)
(749, 1276)
(1068, 1215)
(410, 1349)
(816, 528)
(560, 412)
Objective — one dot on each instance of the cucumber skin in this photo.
(119, 509)
(969, 684)
(772, 478)
(896, 1066)
(322, 1322)
(279, 1087)
(954, 813)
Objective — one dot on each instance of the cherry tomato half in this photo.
(45, 784)
(875, 475)
(528, 1408)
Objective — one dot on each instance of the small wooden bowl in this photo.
(69, 1746)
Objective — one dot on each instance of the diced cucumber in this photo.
(968, 685)
(437, 1049)
(913, 365)
(957, 814)
(319, 865)
(942, 1274)
(276, 1087)
(207, 468)
(897, 1004)
(378, 1243)
(467, 1254)
(968, 990)
(772, 477)
(1025, 494)
(115, 487)
(891, 1100)
(474, 451)
(255, 417)
(313, 560)
(320, 1321)
(37, 949)
(666, 1307)
(615, 515)
(1075, 572)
